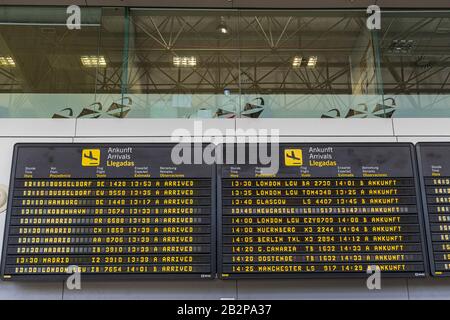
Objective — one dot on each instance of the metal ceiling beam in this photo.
(255, 4)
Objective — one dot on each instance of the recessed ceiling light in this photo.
(222, 27)
(223, 30)
(185, 61)
(7, 61)
(297, 62)
(93, 61)
(312, 61)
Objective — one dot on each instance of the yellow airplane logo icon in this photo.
(293, 157)
(90, 157)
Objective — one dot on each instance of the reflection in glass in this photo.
(415, 62)
(140, 63)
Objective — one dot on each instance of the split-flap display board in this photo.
(112, 211)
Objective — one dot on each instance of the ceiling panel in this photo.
(322, 4)
(405, 4)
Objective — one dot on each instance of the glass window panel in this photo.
(161, 63)
(111, 100)
(41, 71)
(415, 62)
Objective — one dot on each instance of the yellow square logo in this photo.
(90, 157)
(293, 157)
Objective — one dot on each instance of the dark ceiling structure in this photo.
(257, 54)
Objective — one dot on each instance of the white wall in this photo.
(291, 130)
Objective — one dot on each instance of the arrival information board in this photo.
(434, 163)
(331, 209)
(117, 210)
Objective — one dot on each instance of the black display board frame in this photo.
(428, 237)
(419, 202)
(107, 277)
